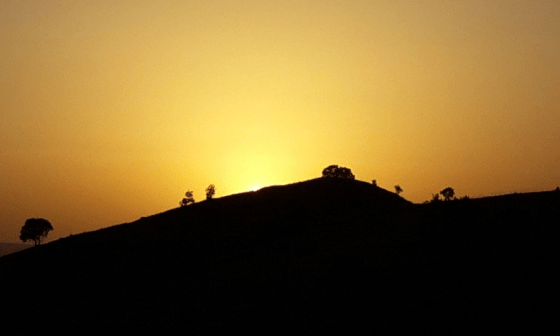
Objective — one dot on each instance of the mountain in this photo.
(321, 255)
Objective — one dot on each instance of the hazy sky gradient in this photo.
(111, 110)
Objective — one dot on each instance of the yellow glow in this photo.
(111, 110)
(255, 188)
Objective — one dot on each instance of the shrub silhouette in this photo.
(35, 229)
(398, 189)
(339, 172)
(188, 199)
(374, 182)
(210, 191)
(435, 198)
(447, 193)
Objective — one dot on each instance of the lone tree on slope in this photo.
(188, 199)
(210, 192)
(339, 172)
(35, 229)
(398, 189)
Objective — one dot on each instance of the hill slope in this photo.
(8, 248)
(320, 254)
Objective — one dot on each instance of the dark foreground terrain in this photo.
(322, 255)
(8, 248)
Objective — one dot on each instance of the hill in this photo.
(323, 254)
(8, 248)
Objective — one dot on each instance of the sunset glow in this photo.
(111, 111)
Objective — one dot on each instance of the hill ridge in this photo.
(313, 255)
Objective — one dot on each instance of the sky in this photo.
(112, 110)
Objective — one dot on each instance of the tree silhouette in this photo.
(210, 191)
(447, 193)
(35, 229)
(339, 172)
(374, 182)
(398, 189)
(188, 199)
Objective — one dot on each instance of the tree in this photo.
(339, 172)
(374, 182)
(210, 191)
(447, 193)
(188, 199)
(398, 189)
(35, 229)
(330, 171)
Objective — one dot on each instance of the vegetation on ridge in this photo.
(321, 254)
(188, 199)
(35, 229)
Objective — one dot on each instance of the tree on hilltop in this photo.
(35, 229)
(210, 192)
(189, 199)
(339, 172)
(447, 193)
(398, 189)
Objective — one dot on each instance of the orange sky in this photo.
(111, 110)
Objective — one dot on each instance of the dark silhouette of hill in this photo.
(7, 248)
(320, 255)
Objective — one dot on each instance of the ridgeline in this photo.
(327, 254)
